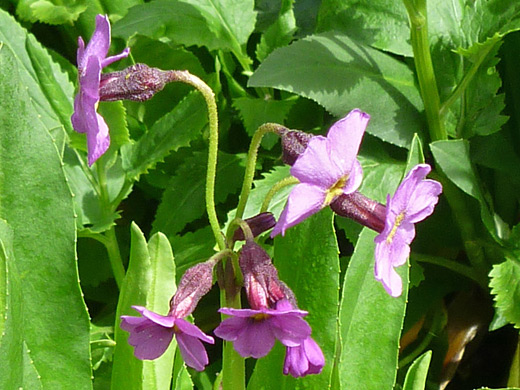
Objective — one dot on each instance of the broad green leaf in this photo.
(341, 74)
(150, 282)
(382, 24)
(219, 24)
(370, 323)
(454, 160)
(115, 117)
(176, 129)
(184, 199)
(416, 375)
(48, 88)
(255, 112)
(16, 369)
(50, 11)
(307, 261)
(36, 202)
(415, 155)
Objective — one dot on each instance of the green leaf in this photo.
(37, 204)
(307, 261)
(217, 24)
(382, 24)
(184, 199)
(150, 282)
(115, 117)
(454, 160)
(51, 11)
(279, 34)
(415, 155)
(256, 112)
(173, 131)
(416, 375)
(341, 74)
(364, 304)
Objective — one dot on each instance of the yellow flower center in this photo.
(260, 317)
(335, 190)
(397, 222)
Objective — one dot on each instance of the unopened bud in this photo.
(263, 288)
(138, 82)
(361, 209)
(258, 224)
(194, 284)
(294, 143)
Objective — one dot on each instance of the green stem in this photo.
(461, 87)
(461, 269)
(209, 97)
(115, 256)
(424, 67)
(251, 164)
(288, 181)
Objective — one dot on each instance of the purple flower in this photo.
(152, 333)
(413, 201)
(326, 169)
(254, 331)
(304, 359)
(91, 60)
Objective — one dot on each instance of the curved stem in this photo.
(424, 67)
(209, 97)
(251, 164)
(288, 181)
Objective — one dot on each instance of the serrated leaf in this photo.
(51, 11)
(150, 282)
(36, 202)
(453, 158)
(506, 289)
(307, 261)
(184, 199)
(416, 375)
(363, 304)
(115, 117)
(341, 74)
(382, 24)
(256, 112)
(218, 25)
(173, 131)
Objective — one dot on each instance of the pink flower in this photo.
(326, 169)
(91, 60)
(152, 333)
(413, 201)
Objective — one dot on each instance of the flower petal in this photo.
(193, 330)
(256, 340)
(304, 201)
(387, 256)
(149, 339)
(315, 165)
(423, 200)
(166, 321)
(344, 138)
(192, 351)
(354, 179)
(231, 328)
(290, 329)
(100, 42)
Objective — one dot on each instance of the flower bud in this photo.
(361, 209)
(258, 224)
(138, 82)
(263, 288)
(194, 284)
(294, 142)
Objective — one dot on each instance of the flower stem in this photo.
(288, 181)
(209, 97)
(424, 67)
(251, 164)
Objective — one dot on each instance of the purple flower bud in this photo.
(138, 82)
(294, 143)
(361, 209)
(194, 284)
(258, 224)
(263, 288)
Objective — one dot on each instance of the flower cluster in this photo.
(330, 174)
